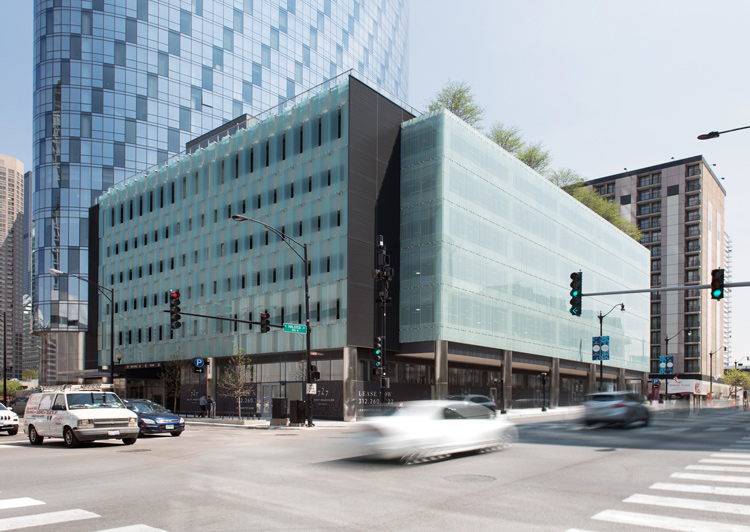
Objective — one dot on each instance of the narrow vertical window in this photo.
(223, 170)
(328, 264)
(251, 160)
(172, 198)
(309, 184)
(317, 311)
(338, 219)
(283, 146)
(274, 196)
(320, 131)
(329, 177)
(291, 190)
(299, 313)
(291, 271)
(259, 201)
(301, 138)
(338, 309)
(274, 275)
(339, 122)
(237, 165)
(268, 152)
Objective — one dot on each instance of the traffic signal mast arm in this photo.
(227, 319)
(665, 289)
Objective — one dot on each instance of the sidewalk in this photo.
(552, 414)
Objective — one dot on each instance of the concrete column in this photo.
(507, 380)
(554, 387)
(621, 379)
(441, 369)
(350, 383)
(591, 382)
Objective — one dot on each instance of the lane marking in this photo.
(735, 450)
(134, 528)
(21, 502)
(690, 504)
(713, 478)
(51, 518)
(700, 488)
(716, 429)
(728, 469)
(730, 455)
(667, 523)
(718, 461)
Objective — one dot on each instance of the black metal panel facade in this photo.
(92, 332)
(374, 181)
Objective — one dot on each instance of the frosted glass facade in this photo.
(172, 229)
(121, 86)
(487, 248)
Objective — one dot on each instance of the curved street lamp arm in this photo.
(106, 292)
(283, 236)
(714, 134)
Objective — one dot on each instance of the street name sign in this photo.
(295, 328)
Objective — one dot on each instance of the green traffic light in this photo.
(574, 293)
(377, 351)
(716, 293)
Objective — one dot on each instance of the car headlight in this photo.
(133, 422)
(147, 421)
(85, 423)
(182, 421)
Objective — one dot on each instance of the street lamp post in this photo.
(289, 241)
(5, 366)
(109, 293)
(666, 358)
(711, 370)
(601, 327)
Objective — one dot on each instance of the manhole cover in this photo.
(136, 451)
(467, 479)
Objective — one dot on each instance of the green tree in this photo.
(736, 378)
(456, 96)
(236, 379)
(11, 387)
(536, 157)
(606, 209)
(171, 375)
(30, 375)
(566, 178)
(508, 138)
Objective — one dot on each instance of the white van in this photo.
(78, 413)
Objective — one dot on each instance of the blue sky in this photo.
(605, 85)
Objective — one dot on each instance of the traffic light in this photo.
(174, 309)
(265, 322)
(576, 293)
(314, 373)
(377, 364)
(717, 284)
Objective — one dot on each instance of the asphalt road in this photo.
(560, 476)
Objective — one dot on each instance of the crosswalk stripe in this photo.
(691, 504)
(739, 450)
(51, 518)
(714, 478)
(716, 429)
(728, 469)
(720, 461)
(667, 523)
(730, 455)
(21, 502)
(701, 488)
(134, 528)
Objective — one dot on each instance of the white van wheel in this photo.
(70, 438)
(34, 437)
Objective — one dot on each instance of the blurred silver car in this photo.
(420, 431)
(622, 408)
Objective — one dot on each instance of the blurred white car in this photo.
(622, 408)
(419, 431)
(8, 421)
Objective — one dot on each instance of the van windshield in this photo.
(93, 400)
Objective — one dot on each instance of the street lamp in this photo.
(289, 241)
(601, 357)
(711, 373)
(666, 359)
(714, 134)
(109, 293)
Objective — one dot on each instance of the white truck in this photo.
(79, 413)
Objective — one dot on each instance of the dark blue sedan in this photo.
(154, 418)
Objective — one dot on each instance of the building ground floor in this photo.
(348, 390)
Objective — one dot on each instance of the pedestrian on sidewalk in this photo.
(203, 402)
(211, 407)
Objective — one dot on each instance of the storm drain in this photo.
(470, 479)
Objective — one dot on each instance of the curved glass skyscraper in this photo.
(122, 86)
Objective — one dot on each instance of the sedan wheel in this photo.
(129, 441)
(175, 433)
(13, 431)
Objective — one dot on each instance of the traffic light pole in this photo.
(666, 289)
(227, 319)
